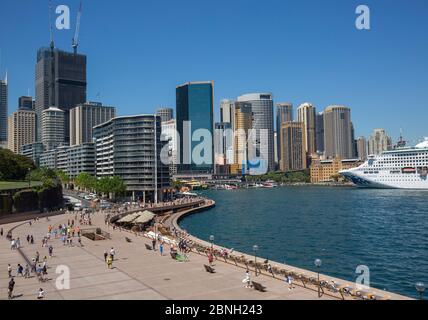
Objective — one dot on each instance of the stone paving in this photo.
(137, 273)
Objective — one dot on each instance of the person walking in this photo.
(247, 279)
(41, 294)
(109, 262)
(210, 258)
(11, 286)
(20, 270)
(32, 239)
(161, 248)
(112, 253)
(9, 270)
(154, 244)
(1, 232)
(26, 272)
(105, 255)
(50, 251)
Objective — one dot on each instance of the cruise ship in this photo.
(401, 168)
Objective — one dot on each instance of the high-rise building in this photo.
(306, 114)
(166, 114)
(362, 148)
(243, 123)
(52, 128)
(81, 158)
(319, 132)
(26, 103)
(60, 82)
(131, 148)
(338, 132)
(379, 141)
(263, 124)
(227, 111)
(284, 113)
(3, 111)
(221, 142)
(195, 111)
(86, 116)
(22, 129)
(293, 154)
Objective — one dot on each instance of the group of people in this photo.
(109, 257)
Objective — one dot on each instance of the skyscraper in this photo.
(3, 111)
(319, 132)
(306, 115)
(26, 103)
(52, 128)
(284, 113)
(263, 124)
(338, 132)
(60, 82)
(379, 141)
(227, 111)
(293, 154)
(243, 122)
(86, 116)
(195, 110)
(166, 114)
(22, 129)
(362, 148)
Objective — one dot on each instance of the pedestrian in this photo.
(1, 232)
(210, 259)
(12, 244)
(9, 270)
(28, 239)
(50, 251)
(20, 270)
(27, 271)
(10, 288)
(289, 281)
(41, 294)
(37, 256)
(105, 255)
(154, 244)
(247, 279)
(109, 262)
(112, 253)
(161, 248)
(32, 239)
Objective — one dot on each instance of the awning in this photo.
(129, 218)
(144, 217)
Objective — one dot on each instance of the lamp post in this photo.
(255, 248)
(420, 288)
(212, 242)
(29, 177)
(318, 263)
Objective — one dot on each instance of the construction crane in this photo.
(75, 42)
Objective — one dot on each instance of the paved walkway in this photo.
(137, 274)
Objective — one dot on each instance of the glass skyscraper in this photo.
(195, 110)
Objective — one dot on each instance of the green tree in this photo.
(14, 166)
(85, 181)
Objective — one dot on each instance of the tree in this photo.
(111, 185)
(14, 166)
(65, 179)
(86, 181)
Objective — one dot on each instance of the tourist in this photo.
(50, 251)
(12, 244)
(109, 262)
(289, 281)
(37, 256)
(11, 286)
(28, 239)
(41, 294)
(1, 232)
(161, 248)
(105, 255)
(210, 258)
(27, 271)
(32, 239)
(9, 270)
(247, 279)
(20, 270)
(112, 253)
(154, 244)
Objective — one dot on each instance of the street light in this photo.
(420, 288)
(255, 248)
(212, 242)
(318, 263)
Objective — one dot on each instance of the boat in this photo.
(401, 168)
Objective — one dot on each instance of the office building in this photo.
(319, 132)
(60, 82)
(379, 141)
(166, 114)
(293, 154)
(80, 158)
(32, 151)
(3, 111)
(195, 111)
(242, 141)
(131, 148)
(306, 114)
(86, 116)
(362, 148)
(52, 128)
(22, 129)
(338, 140)
(263, 124)
(169, 134)
(227, 111)
(284, 113)
(26, 103)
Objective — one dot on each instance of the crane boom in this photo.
(75, 42)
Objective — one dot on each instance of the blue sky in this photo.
(300, 50)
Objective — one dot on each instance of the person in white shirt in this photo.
(247, 280)
(41, 294)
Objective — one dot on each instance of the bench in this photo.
(148, 247)
(209, 269)
(257, 286)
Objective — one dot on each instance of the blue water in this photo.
(386, 230)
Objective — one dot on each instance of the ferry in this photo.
(401, 168)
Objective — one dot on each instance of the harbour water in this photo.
(385, 230)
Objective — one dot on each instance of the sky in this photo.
(300, 50)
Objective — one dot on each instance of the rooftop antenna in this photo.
(52, 45)
(75, 41)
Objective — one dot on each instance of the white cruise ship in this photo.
(401, 168)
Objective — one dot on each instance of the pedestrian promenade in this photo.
(137, 273)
